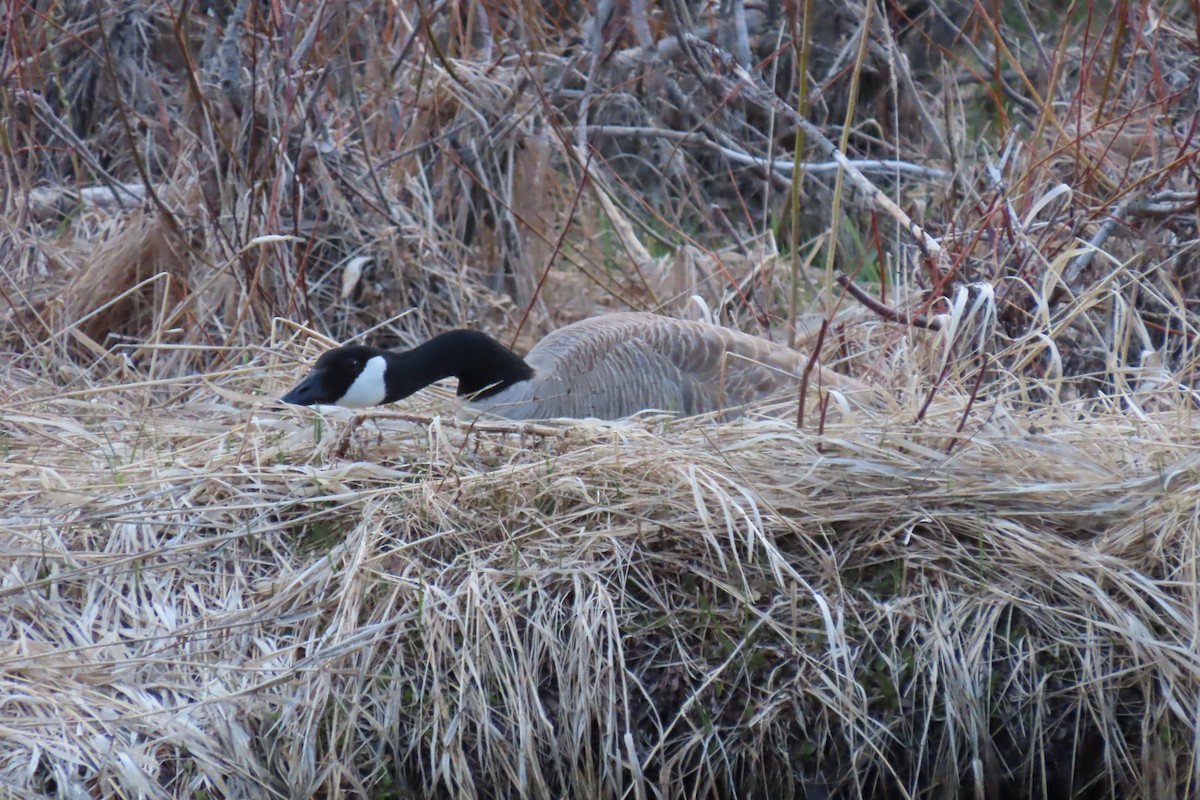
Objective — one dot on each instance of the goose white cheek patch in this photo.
(368, 388)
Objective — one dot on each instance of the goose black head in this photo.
(357, 376)
(354, 376)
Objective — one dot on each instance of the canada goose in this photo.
(611, 366)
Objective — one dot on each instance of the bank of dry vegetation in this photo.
(988, 588)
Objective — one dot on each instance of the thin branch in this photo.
(808, 368)
(780, 165)
(885, 311)
(1081, 261)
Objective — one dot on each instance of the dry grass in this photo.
(200, 598)
(989, 589)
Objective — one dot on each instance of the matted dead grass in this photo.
(199, 597)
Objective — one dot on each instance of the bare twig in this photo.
(737, 10)
(783, 166)
(814, 355)
(884, 311)
(1113, 218)
(962, 422)
(641, 26)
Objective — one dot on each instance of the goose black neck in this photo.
(482, 365)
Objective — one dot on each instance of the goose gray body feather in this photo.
(616, 365)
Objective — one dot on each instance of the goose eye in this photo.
(353, 363)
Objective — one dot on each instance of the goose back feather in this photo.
(619, 364)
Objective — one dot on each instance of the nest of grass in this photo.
(204, 599)
(972, 591)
